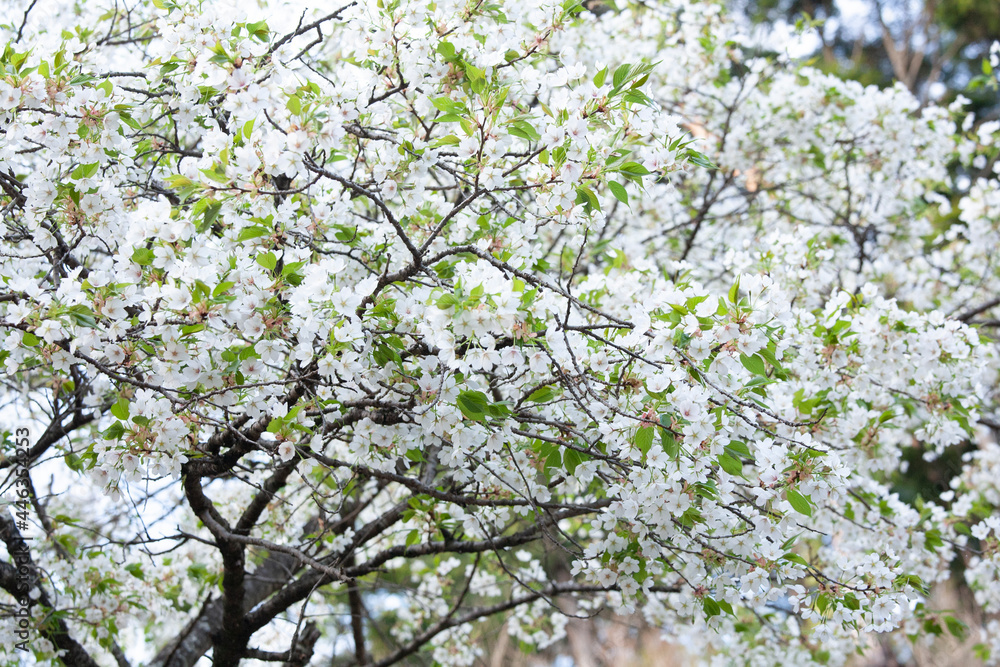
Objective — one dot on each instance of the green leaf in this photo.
(292, 269)
(638, 97)
(474, 73)
(571, 459)
(700, 159)
(258, 29)
(120, 409)
(495, 410)
(754, 364)
(798, 502)
(644, 438)
(769, 357)
(618, 190)
(587, 196)
(524, 130)
(982, 652)
(710, 606)
(267, 260)
(669, 443)
(738, 449)
(135, 569)
(294, 105)
(634, 168)
(731, 465)
(554, 459)
(542, 394)
(114, 431)
(734, 292)
(467, 125)
(217, 173)
(252, 232)
(83, 317)
(446, 49)
(143, 256)
(449, 140)
(383, 354)
(795, 558)
(212, 211)
(248, 352)
(222, 288)
(448, 105)
(955, 627)
(75, 464)
(447, 301)
(932, 539)
(911, 580)
(600, 77)
(473, 404)
(620, 75)
(128, 120)
(182, 185)
(85, 171)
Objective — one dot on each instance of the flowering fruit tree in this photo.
(343, 331)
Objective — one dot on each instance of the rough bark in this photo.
(196, 639)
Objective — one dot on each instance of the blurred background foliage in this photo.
(936, 48)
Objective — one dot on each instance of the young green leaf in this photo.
(473, 404)
(798, 502)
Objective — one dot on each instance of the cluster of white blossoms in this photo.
(485, 309)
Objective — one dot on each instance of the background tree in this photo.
(920, 44)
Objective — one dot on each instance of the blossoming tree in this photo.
(343, 331)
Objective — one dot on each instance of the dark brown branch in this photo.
(301, 30)
(54, 628)
(357, 618)
(482, 612)
(24, 21)
(230, 643)
(972, 312)
(55, 431)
